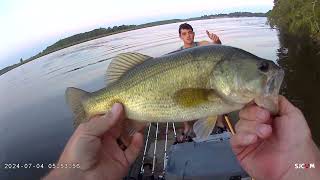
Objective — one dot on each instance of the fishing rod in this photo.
(165, 157)
(155, 150)
(144, 152)
(174, 130)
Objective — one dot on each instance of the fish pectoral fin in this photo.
(74, 98)
(122, 63)
(129, 128)
(191, 97)
(203, 127)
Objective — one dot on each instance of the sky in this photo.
(29, 26)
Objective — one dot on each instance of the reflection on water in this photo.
(35, 122)
(302, 80)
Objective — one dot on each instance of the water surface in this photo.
(35, 122)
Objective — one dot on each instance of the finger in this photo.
(209, 34)
(134, 148)
(246, 126)
(254, 113)
(216, 38)
(99, 125)
(243, 139)
(263, 130)
(285, 107)
(253, 127)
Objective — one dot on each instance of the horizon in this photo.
(26, 38)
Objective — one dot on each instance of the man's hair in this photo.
(185, 26)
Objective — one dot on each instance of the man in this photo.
(187, 34)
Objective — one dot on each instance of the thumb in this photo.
(285, 107)
(97, 126)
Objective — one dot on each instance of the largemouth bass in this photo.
(187, 85)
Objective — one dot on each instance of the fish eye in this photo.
(264, 66)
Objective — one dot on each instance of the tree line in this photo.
(296, 17)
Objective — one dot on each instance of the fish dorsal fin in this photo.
(122, 63)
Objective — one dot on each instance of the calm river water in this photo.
(35, 122)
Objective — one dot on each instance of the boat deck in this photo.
(154, 153)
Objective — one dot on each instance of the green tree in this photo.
(298, 17)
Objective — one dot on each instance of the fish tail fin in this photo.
(74, 97)
(204, 127)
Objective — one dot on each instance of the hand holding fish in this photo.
(268, 147)
(94, 147)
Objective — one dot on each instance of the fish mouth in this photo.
(274, 83)
(269, 98)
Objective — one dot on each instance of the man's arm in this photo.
(204, 43)
(307, 153)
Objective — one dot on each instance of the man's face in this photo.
(187, 36)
